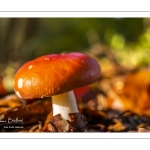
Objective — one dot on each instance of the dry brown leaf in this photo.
(46, 124)
(32, 113)
(118, 126)
(4, 110)
(12, 101)
(143, 130)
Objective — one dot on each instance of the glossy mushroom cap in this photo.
(55, 74)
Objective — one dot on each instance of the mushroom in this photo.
(56, 76)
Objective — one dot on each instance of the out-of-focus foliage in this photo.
(28, 38)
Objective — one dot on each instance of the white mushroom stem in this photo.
(64, 104)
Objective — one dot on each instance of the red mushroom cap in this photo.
(55, 74)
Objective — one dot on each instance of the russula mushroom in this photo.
(56, 76)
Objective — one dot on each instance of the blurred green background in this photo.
(23, 39)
